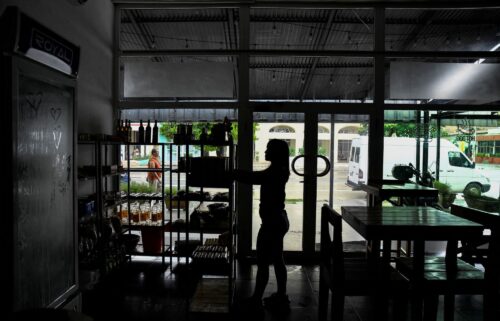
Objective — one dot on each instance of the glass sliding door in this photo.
(320, 150)
(290, 128)
(342, 139)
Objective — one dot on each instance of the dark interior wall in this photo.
(90, 26)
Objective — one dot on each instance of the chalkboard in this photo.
(43, 205)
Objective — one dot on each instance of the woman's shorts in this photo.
(270, 238)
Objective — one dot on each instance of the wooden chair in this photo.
(442, 278)
(354, 276)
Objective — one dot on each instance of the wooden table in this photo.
(418, 224)
(380, 192)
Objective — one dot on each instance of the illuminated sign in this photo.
(25, 36)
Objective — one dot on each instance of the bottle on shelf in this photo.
(141, 133)
(124, 130)
(118, 127)
(129, 131)
(147, 136)
(121, 129)
(155, 133)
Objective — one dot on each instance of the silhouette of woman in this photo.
(275, 223)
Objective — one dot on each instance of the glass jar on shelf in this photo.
(145, 210)
(155, 213)
(135, 211)
(124, 212)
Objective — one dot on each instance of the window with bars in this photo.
(486, 147)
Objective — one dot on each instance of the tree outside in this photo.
(169, 129)
(403, 130)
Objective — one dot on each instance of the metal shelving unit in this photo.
(201, 180)
(102, 252)
(153, 232)
(175, 223)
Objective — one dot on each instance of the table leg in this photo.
(386, 254)
(418, 274)
(371, 199)
(492, 276)
(373, 250)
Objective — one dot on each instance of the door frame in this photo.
(311, 122)
(310, 184)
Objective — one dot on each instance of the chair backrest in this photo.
(332, 253)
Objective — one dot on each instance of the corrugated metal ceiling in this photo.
(333, 29)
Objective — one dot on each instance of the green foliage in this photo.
(255, 129)
(136, 187)
(291, 151)
(480, 154)
(442, 188)
(402, 130)
(409, 130)
(363, 130)
(321, 151)
(167, 191)
(169, 129)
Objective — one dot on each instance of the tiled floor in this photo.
(147, 291)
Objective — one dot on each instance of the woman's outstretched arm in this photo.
(250, 177)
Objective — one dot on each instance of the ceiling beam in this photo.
(298, 65)
(368, 19)
(312, 53)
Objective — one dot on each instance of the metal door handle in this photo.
(293, 166)
(323, 173)
(327, 168)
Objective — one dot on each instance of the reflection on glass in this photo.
(441, 30)
(174, 77)
(443, 81)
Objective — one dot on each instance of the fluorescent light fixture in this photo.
(492, 49)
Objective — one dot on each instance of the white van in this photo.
(455, 168)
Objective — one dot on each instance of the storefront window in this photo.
(441, 29)
(311, 79)
(456, 148)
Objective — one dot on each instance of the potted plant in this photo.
(446, 197)
(474, 199)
